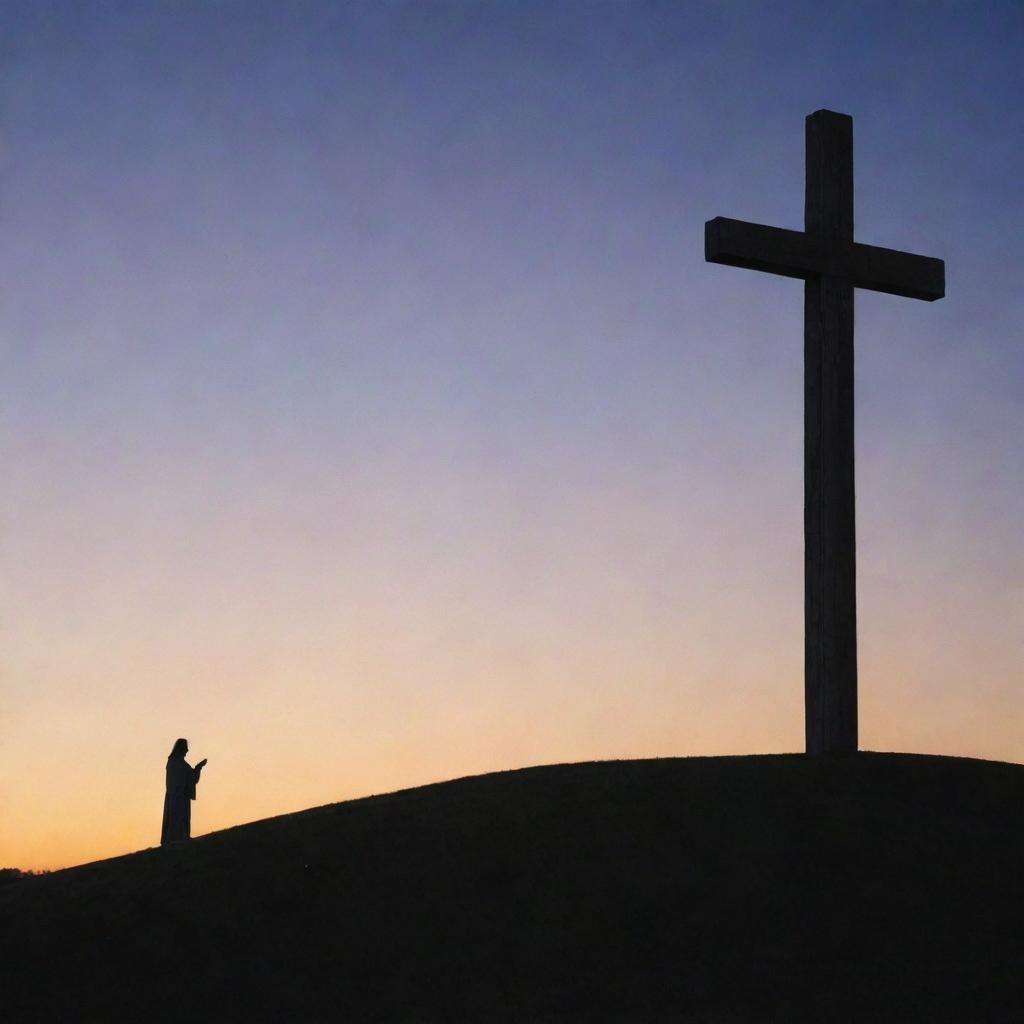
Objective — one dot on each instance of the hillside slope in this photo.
(879, 887)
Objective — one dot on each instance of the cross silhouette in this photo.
(831, 264)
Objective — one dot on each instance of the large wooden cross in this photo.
(831, 264)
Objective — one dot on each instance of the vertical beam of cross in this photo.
(831, 264)
(830, 569)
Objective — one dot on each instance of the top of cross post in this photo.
(825, 114)
(828, 204)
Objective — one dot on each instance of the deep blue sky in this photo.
(370, 415)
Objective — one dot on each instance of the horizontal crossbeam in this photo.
(738, 243)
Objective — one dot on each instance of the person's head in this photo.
(180, 748)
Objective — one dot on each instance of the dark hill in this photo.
(872, 888)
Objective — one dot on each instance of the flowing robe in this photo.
(181, 791)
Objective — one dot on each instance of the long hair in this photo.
(179, 749)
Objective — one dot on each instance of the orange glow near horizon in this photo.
(299, 736)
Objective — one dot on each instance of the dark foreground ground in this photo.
(780, 889)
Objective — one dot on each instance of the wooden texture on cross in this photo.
(831, 264)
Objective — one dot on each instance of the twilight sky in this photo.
(370, 416)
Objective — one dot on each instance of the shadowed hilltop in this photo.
(872, 887)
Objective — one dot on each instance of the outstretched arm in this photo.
(196, 772)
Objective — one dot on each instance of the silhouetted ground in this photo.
(782, 889)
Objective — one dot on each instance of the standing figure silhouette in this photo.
(181, 791)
